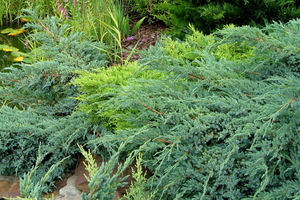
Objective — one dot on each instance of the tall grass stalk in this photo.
(115, 31)
(84, 16)
(102, 20)
(10, 9)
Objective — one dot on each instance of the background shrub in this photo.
(207, 16)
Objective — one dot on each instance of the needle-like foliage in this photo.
(215, 127)
(42, 99)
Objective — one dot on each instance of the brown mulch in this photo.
(146, 36)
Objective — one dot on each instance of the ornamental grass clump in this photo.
(214, 127)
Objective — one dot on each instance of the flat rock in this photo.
(9, 186)
(14, 190)
(69, 192)
(5, 184)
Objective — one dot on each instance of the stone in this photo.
(69, 192)
(5, 184)
(59, 184)
(14, 190)
(117, 195)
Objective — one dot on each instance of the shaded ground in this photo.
(146, 35)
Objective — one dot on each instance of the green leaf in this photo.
(28, 60)
(7, 30)
(7, 48)
(136, 26)
(13, 32)
(19, 53)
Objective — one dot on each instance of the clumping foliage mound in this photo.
(221, 123)
(212, 117)
(37, 103)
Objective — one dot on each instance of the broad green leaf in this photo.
(26, 19)
(7, 30)
(7, 48)
(3, 46)
(28, 60)
(17, 32)
(18, 59)
(13, 32)
(136, 26)
(19, 53)
(10, 49)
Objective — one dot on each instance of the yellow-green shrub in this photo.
(191, 48)
(100, 85)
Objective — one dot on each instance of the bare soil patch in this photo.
(146, 36)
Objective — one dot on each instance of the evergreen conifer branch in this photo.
(43, 114)
(213, 127)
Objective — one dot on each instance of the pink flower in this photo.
(66, 13)
(130, 38)
(59, 8)
(67, 1)
(26, 44)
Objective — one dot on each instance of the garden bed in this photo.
(209, 116)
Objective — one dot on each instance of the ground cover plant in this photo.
(37, 105)
(212, 127)
(210, 117)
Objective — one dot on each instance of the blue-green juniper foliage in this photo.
(216, 119)
(43, 102)
(213, 127)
